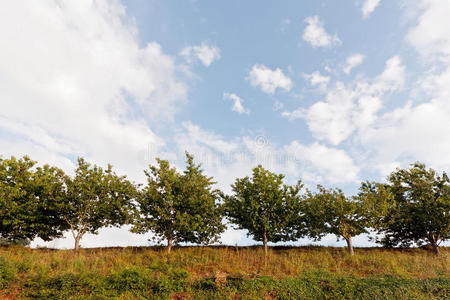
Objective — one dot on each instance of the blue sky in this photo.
(330, 92)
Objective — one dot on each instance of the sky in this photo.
(329, 92)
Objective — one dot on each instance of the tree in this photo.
(95, 198)
(375, 199)
(28, 200)
(329, 211)
(265, 206)
(418, 208)
(179, 207)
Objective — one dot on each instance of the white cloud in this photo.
(298, 113)
(269, 80)
(393, 76)
(368, 7)
(316, 79)
(350, 107)
(431, 36)
(316, 35)
(195, 135)
(76, 82)
(205, 53)
(353, 61)
(331, 119)
(226, 159)
(419, 131)
(237, 103)
(413, 133)
(333, 164)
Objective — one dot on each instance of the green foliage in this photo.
(265, 206)
(18, 242)
(309, 285)
(375, 200)
(130, 282)
(66, 286)
(28, 200)
(7, 273)
(95, 198)
(223, 273)
(173, 280)
(418, 208)
(329, 211)
(131, 279)
(323, 285)
(179, 207)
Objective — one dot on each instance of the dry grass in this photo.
(247, 261)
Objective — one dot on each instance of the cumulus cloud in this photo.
(316, 35)
(237, 103)
(205, 53)
(269, 80)
(76, 82)
(413, 131)
(332, 164)
(298, 113)
(316, 79)
(353, 61)
(430, 36)
(393, 76)
(369, 6)
(350, 107)
(418, 131)
(227, 158)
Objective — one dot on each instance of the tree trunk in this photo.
(169, 244)
(265, 243)
(77, 241)
(435, 247)
(349, 245)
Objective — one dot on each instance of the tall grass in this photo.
(187, 271)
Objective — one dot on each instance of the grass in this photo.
(223, 273)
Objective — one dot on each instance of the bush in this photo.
(65, 286)
(132, 279)
(323, 285)
(173, 280)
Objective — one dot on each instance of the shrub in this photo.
(134, 280)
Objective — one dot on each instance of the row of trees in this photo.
(411, 208)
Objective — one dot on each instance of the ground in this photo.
(224, 273)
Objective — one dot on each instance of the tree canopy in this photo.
(265, 206)
(179, 207)
(329, 211)
(412, 208)
(95, 198)
(29, 198)
(418, 209)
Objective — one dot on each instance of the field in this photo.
(223, 273)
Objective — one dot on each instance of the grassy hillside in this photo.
(223, 273)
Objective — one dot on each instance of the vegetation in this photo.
(179, 207)
(331, 212)
(265, 206)
(223, 273)
(415, 205)
(411, 209)
(29, 199)
(95, 198)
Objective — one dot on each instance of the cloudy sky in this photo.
(332, 92)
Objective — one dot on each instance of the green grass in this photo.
(223, 273)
